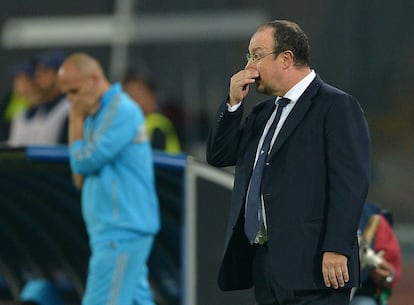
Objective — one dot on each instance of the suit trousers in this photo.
(269, 292)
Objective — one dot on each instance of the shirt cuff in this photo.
(233, 108)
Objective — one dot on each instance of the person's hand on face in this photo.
(86, 101)
(239, 84)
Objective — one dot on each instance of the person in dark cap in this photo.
(52, 59)
(22, 95)
(45, 75)
(48, 123)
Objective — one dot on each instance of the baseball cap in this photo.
(52, 59)
(24, 67)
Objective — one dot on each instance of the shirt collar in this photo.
(297, 90)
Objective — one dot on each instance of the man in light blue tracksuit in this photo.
(111, 161)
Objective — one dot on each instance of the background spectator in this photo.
(22, 95)
(381, 267)
(45, 123)
(161, 131)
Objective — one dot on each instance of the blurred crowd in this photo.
(35, 111)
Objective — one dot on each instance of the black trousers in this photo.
(269, 292)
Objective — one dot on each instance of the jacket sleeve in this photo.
(119, 126)
(224, 136)
(348, 159)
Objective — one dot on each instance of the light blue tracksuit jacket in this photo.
(118, 195)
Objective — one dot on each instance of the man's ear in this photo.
(287, 59)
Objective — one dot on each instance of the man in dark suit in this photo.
(312, 183)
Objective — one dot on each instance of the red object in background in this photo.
(386, 240)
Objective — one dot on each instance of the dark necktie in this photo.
(253, 219)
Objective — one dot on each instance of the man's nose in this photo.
(249, 64)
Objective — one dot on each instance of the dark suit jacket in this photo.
(314, 186)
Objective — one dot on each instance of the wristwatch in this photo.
(390, 278)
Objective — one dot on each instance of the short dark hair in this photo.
(289, 36)
(132, 76)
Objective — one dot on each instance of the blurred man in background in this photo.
(44, 122)
(22, 95)
(111, 161)
(161, 131)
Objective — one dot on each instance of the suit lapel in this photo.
(296, 115)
